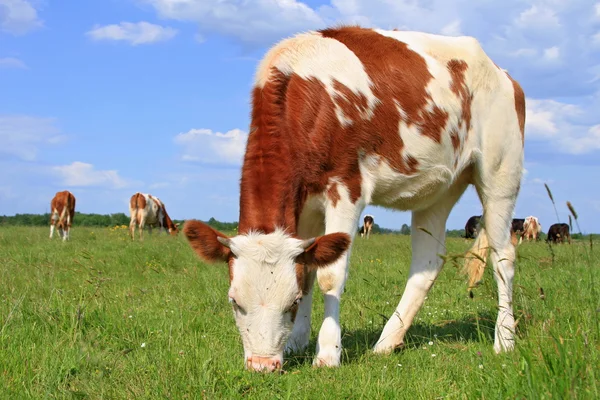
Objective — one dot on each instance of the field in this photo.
(104, 317)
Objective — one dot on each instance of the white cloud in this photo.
(452, 29)
(23, 135)
(133, 33)
(80, 174)
(552, 53)
(11, 62)
(159, 185)
(18, 17)
(206, 146)
(538, 17)
(539, 181)
(562, 125)
(251, 22)
(524, 53)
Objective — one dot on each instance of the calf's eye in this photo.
(294, 304)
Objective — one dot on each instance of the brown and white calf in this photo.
(368, 222)
(531, 228)
(62, 212)
(146, 209)
(346, 117)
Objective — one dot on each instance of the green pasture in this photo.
(102, 317)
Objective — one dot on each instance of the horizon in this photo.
(108, 99)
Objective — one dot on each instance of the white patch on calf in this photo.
(323, 64)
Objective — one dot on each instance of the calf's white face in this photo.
(267, 277)
(264, 291)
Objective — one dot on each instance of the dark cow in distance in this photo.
(558, 232)
(472, 227)
(517, 229)
(517, 225)
(368, 226)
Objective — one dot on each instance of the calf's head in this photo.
(267, 274)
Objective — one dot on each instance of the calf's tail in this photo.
(476, 259)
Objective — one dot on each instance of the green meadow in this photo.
(104, 317)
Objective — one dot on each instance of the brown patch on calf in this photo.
(302, 277)
(269, 192)
(325, 250)
(457, 69)
(203, 240)
(332, 194)
(398, 74)
(519, 106)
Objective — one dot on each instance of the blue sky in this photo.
(109, 97)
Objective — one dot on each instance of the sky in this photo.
(109, 97)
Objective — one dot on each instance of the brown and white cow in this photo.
(368, 222)
(347, 117)
(62, 212)
(531, 228)
(146, 209)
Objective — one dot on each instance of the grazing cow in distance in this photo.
(558, 233)
(472, 227)
(62, 212)
(367, 226)
(146, 209)
(531, 228)
(347, 117)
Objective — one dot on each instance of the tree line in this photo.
(108, 220)
(101, 220)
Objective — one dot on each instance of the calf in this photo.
(558, 233)
(472, 226)
(368, 225)
(531, 228)
(146, 209)
(62, 212)
(347, 117)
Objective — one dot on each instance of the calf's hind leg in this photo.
(428, 234)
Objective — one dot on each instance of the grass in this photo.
(104, 317)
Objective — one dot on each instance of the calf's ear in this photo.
(324, 250)
(210, 244)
